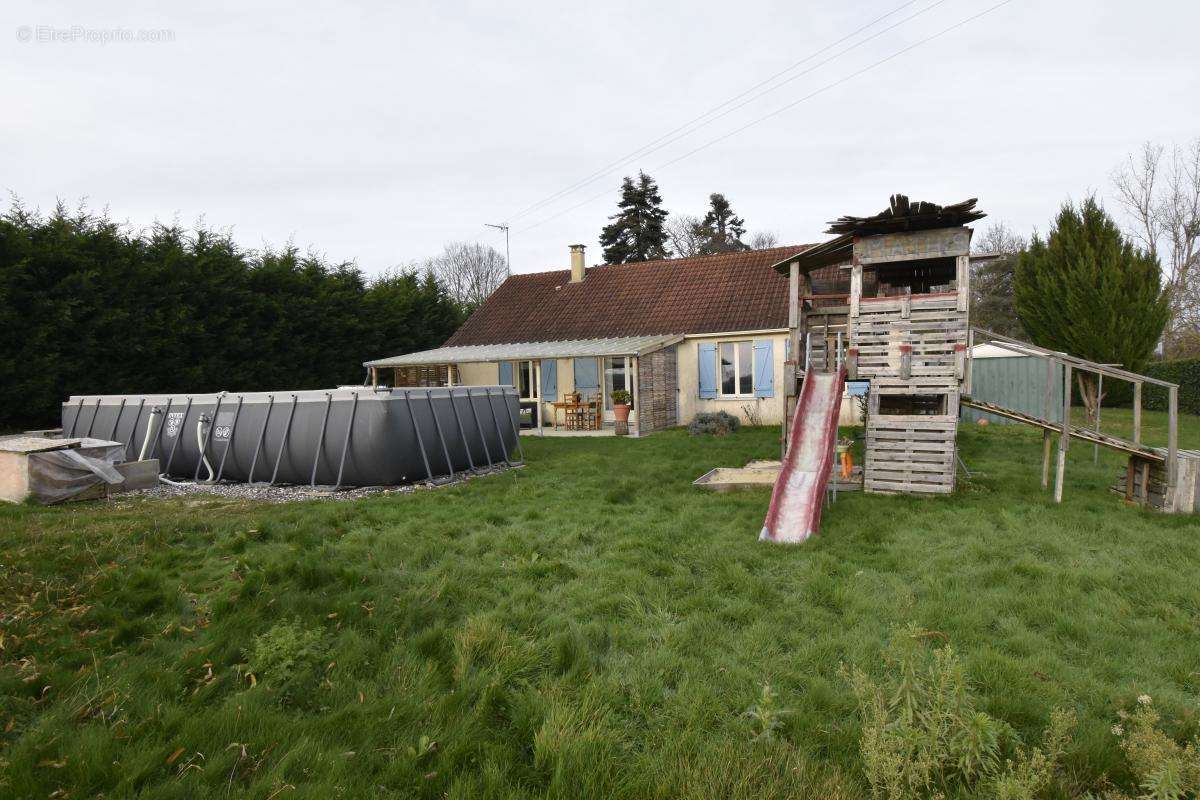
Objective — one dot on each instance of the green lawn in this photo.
(589, 626)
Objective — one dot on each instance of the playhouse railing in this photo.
(1070, 365)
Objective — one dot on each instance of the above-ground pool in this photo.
(359, 436)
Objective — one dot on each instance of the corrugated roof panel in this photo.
(570, 348)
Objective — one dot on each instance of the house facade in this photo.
(682, 336)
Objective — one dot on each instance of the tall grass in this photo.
(588, 626)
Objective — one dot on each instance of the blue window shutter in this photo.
(706, 368)
(549, 380)
(764, 368)
(506, 373)
(587, 375)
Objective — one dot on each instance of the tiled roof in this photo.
(706, 294)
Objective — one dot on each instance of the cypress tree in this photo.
(721, 230)
(1088, 291)
(636, 232)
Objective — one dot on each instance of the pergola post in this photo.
(633, 389)
(537, 394)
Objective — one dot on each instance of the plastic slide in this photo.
(795, 510)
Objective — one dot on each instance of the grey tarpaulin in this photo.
(58, 475)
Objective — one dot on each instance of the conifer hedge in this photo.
(87, 306)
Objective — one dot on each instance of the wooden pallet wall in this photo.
(931, 325)
(910, 453)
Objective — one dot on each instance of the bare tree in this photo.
(992, 279)
(469, 271)
(682, 233)
(761, 240)
(1161, 193)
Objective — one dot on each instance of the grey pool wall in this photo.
(359, 436)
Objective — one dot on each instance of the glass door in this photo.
(618, 374)
(525, 378)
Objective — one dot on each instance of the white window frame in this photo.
(534, 380)
(737, 373)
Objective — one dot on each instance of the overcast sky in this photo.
(376, 132)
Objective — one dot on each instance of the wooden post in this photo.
(1172, 445)
(1096, 425)
(856, 282)
(969, 366)
(1064, 438)
(537, 393)
(1137, 413)
(374, 377)
(793, 295)
(962, 282)
(793, 353)
(1049, 389)
(1046, 437)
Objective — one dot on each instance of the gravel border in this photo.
(265, 493)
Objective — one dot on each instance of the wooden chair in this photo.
(591, 413)
(573, 415)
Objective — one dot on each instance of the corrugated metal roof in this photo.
(569, 348)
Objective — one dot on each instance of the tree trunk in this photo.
(1087, 391)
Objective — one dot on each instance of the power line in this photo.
(787, 107)
(708, 116)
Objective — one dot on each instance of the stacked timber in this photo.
(1150, 486)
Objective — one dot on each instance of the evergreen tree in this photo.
(721, 230)
(636, 232)
(100, 309)
(1088, 291)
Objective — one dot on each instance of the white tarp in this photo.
(58, 475)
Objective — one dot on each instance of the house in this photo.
(683, 336)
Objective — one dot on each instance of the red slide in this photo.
(795, 510)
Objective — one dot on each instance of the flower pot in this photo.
(621, 415)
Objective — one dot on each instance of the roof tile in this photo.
(705, 294)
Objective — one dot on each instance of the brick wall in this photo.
(658, 379)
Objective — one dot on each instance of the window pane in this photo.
(524, 380)
(745, 351)
(614, 378)
(728, 381)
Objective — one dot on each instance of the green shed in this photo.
(1018, 382)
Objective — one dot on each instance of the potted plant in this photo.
(620, 400)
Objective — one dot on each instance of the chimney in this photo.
(577, 263)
